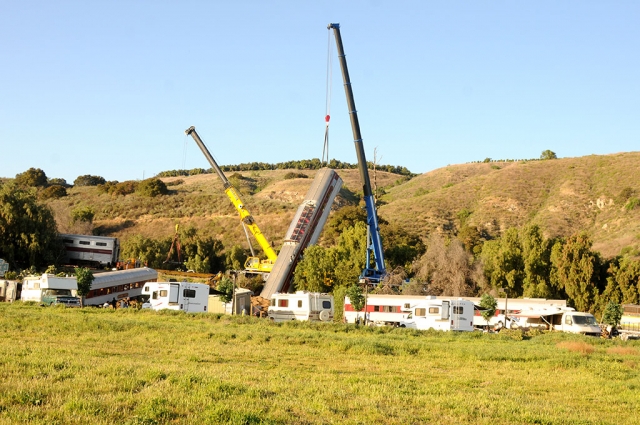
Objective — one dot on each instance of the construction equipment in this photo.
(304, 230)
(374, 270)
(253, 263)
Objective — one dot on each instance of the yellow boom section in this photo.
(248, 221)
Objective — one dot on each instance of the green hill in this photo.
(563, 196)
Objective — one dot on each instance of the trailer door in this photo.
(174, 293)
(445, 310)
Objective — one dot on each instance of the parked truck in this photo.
(442, 315)
(49, 289)
(302, 305)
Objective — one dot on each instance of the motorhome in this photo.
(563, 319)
(443, 315)
(49, 289)
(302, 305)
(183, 296)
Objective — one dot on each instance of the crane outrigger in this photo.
(374, 270)
(253, 263)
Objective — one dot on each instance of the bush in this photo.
(175, 182)
(152, 187)
(293, 175)
(54, 192)
(83, 213)
(115, 188)
(88, 180)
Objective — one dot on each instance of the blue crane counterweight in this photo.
(374, 270)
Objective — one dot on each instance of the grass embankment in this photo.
(94, 366)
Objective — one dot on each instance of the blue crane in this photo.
(374, 269)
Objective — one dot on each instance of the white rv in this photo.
(443, 315)
(184, 296)
(49, 289)
(302, 305)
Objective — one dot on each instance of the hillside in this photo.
(563, 196)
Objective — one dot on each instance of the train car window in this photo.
(69, 241)
(84, 242)
(101, 243)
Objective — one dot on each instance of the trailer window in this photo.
(376, 308)
(163, 293)
(326, 304)
(299, 303)
(434, 310)
(389, 308)
(421, 312)
(283, 303)
(189, 293)
(458, 310)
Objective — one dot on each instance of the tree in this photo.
(536, 254)
(503, 262)
(446, 268)
(401, 247)
(489, 306)
(612, 314)
(316, 271)
(84, 277)
(225, 287)
(354, 292)
(33, 177)
(547, 154)
(88, 180)
(350, 254)
(342, 219)
(28, 232)
(575, 269)
(152, 187)
(235, 258)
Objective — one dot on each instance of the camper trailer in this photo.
(183, 296)
(302, 305)
(443, 315)
(49, 289)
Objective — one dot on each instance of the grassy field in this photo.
(93, 366)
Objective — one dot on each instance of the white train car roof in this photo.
(123, 276)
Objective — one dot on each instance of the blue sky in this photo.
(108, 88)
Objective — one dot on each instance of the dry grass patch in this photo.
(623, 351)
(577, 347)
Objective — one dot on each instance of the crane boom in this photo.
(245, 215)
(375, 271)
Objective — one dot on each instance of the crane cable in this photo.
(327, 117)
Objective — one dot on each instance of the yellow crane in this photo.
(253, 263)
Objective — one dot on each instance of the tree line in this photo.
(304, 164)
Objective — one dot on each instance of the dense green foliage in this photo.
(202, 254)
(104, 366)
(312, 164)
(53, 192)
(118, 189)
(226, 288)
(82, 213)
(84, 278)
(293, 175)
(152, 187)
(88, 180)
(547, 154)
(612, 314)
(489, 306)
(33, 177)
(28, 233)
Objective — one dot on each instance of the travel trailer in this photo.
(49, 289)
(442, 315)
(302, 305)
(183, 296)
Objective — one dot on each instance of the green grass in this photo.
(95, 366)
